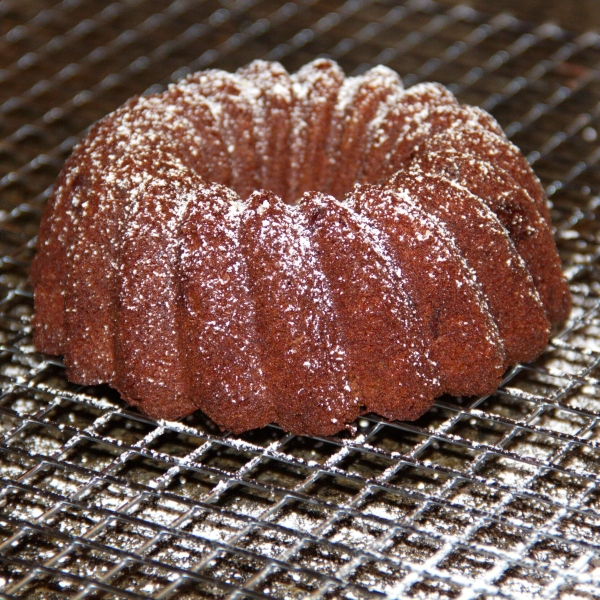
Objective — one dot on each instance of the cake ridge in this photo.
(108, 201)
(217, 301)
(489, 251)
(464, 301)
(298, 335)
(375, 320)
(511, 203)
(352, 115)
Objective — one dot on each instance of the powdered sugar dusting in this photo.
(315, 88)
(222, 340)
(186, 287)
(301, 323)
(376, 312)
(359, 100)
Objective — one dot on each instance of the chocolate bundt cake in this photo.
(297, 249)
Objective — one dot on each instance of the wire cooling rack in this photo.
(496, 497)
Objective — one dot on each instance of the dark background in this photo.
(577, 15)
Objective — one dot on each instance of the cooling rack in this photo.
(494, 497)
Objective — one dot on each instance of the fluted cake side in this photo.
(297, 249)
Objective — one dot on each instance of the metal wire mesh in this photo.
(489, 498)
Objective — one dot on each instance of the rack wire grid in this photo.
(494, 497)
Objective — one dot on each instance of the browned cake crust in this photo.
(513, 206)
(392, 120)
(359, 101)
(316, 88)
(223, 343)
(386, 356)
(296, 249)
(453, 316)
(272, 122)
(507, 286)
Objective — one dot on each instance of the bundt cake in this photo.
(297, 249)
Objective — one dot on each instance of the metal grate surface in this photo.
(496, 497)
